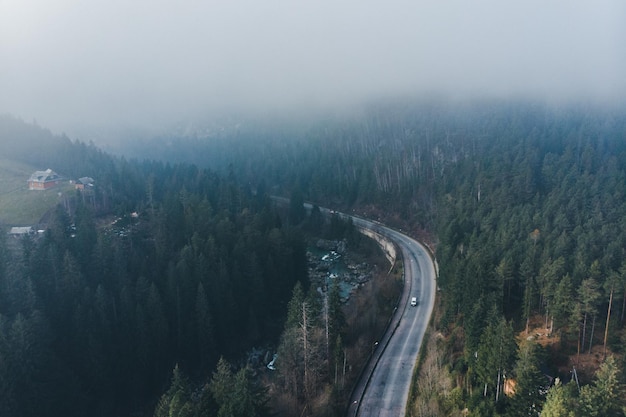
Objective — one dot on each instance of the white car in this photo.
(413, 301)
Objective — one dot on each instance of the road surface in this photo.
(384, 387)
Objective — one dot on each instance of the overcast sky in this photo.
(145, 62)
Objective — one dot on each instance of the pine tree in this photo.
(336, 320)
(588, 294)
(204, 329)
(7, 380)
(527, 276)
(559, 402)
(606, 396)
(247, 399)
(222, 381)
(529, 382)
(294, 308)
(562, 302)
(612, 282)
(495, 355)
(504, 274)
(237, 395)
(176, 402)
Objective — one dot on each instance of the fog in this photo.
(75, 64)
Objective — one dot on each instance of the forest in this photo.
(102, 307)
(147, 293)
(523, 202)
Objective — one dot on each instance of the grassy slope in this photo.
(18, 205)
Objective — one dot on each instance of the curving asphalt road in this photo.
(385, 382)
(384, 386)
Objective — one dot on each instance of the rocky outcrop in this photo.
(331, 261)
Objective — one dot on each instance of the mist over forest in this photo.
(151, 313)
(147, 267)
(84, 69)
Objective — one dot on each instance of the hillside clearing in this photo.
(20, 206)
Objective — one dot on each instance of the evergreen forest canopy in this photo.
(524, 203)
(94, 316)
